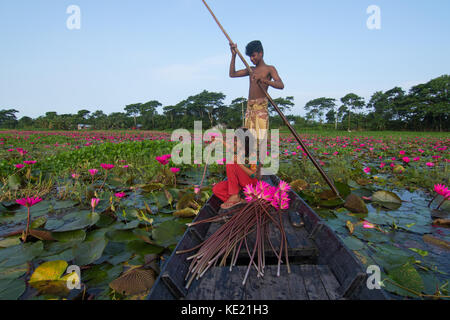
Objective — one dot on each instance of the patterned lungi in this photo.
(257, 117)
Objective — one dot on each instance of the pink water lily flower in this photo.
(28, 202)
(284, 186)
(94, 202)
(106, 166)
(162, 160)
(441, 189)
(368, 225)
(120, 195)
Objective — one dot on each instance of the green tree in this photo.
(317, 107)
(284, 104)
(148, 112)
(352, 102)
(133, 110)
(234, 114)
(8, 118)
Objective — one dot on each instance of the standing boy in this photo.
(257, 115)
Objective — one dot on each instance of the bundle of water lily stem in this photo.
(264, 206)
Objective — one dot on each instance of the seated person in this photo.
(238, 176)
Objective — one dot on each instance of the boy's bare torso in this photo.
(259, 72)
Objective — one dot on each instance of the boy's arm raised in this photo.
(233, 72)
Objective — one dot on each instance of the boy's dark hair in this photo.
(254, 46)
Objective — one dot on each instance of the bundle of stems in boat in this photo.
(264, 206)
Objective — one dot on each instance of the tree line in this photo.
(425, 107)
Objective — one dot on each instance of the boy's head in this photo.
(255, 51)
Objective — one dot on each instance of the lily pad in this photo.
(69, 236)
(121, 235)
(48, 278)
(20, 254)
(85, 219)
(168, 233)
(353, 243)
(87, 252)
(134, 281)
(11, 289)
(152, 187)
(143, 248)
(299, 185)
(14, 182)
(186, 213)
(39, 222)
(408, 277)
(344, 189)
(101, 275)
(355, 204)
(13, 272)
(9, 242)
(387, 199)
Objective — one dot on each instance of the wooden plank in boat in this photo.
(296, 284)
(313, 284)
(303, 283)
(263, 288)
(332, 252)
(329, 282)
(205, 287)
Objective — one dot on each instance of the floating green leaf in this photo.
(69, 236)
(87, 252)
(353, 243)
(48, 278)
(168, 233)
(85, 219)
(387, 199)
(408, 277)
(17, 255)
(11, 289)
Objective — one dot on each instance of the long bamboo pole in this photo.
(286, 122)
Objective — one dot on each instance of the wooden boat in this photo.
(322, 267)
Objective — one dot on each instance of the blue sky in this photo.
(140, 50)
